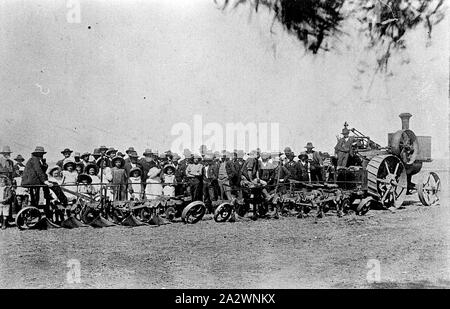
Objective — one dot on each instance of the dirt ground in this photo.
(411, 244)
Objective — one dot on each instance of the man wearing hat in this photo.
(19, 165)
(119, 179)
(225, 173)
(238, 163)
(96, 154)
(292, 166)
(66, 153)
(210, 174)
(194, 175)
(132, 162)
(6, 164)
(34, 175)
(102, 150)
(147, 162)
(315, 161)
(111, 152)
(344, 149)
(85, 158)
(130, 149)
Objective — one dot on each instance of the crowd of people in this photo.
(206, 176)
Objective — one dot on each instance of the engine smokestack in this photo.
(405, 120)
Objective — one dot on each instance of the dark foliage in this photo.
(383, 22)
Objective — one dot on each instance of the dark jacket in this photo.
(213, 172)
(294, 170)
(146, 166)
(128, 167)
(34, 173)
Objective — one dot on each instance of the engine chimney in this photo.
(405, 120)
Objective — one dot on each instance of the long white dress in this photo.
(154, 188)
(136, 186)
(169, 189)
(70, 178)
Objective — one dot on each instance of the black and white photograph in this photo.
(224, 145)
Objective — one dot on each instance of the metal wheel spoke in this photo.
(387, 167)
(396, 170)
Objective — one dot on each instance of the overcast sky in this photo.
(144, 66)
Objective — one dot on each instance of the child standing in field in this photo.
(169, 180)
(119, 180)
(69, 178)
(135, 185)
(92, 170)
(22, 194)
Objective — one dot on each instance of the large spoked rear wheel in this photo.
(428, 189)
(193, 212)
(223, 212)
(28, 217)
(387, 180)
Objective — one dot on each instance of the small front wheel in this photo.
(223, 212)
(193, 212)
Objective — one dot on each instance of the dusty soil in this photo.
(412, 245)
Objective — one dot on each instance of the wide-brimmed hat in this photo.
(67, 163)
(345, 131)
(56, 167)
(102, 148)
(197, 156)
(148, 152)
(110, 150)
(176, 156)
(130, 149)
(5, 149)
(89, 166)
(265, 155)
(84, 177)
(136, 169)
(120, 154)
(85, 154)
(309, 145)
(287, 150)
(96, 152)
(186, 152)
(240, 154)
(169, 166)
(66, 150)
(133, 154)
(117, 158)
(19, 158)
(39, 149)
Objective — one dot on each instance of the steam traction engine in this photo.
(384, 174)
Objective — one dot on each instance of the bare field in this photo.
(412, 245)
